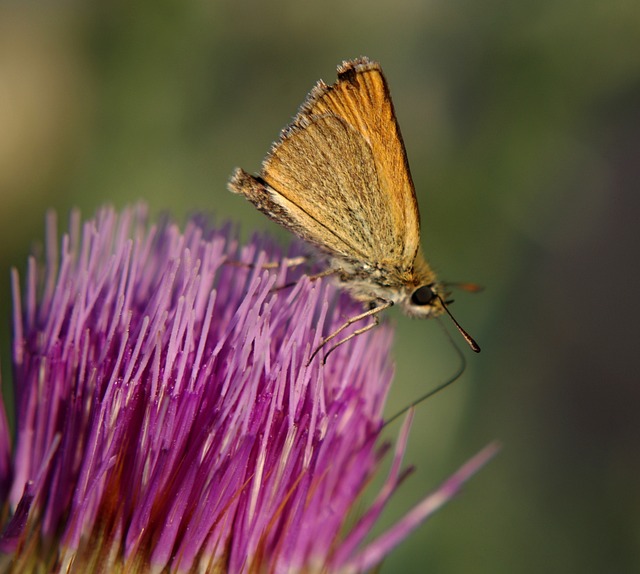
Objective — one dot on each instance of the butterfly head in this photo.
(425, 301)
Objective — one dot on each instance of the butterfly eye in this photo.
(423, 295)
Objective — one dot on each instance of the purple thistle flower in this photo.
(167, 420)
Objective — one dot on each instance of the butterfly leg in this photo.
(372, 312)
(325, 273)
(287, 262)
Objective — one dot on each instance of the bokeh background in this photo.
(522, 124)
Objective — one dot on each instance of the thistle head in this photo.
(167, 420)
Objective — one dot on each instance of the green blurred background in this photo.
(522, 125)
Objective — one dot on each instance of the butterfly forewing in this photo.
(361, 98)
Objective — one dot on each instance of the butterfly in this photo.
(338, 177)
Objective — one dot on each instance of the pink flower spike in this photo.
(379, 548)
(364, 525)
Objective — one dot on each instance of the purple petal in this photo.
(379, 548)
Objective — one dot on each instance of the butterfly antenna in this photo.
(464, 286)
(461, 369)
(468, 338)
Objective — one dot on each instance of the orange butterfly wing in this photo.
(339, 178)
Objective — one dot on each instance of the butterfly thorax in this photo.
(415, 288)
